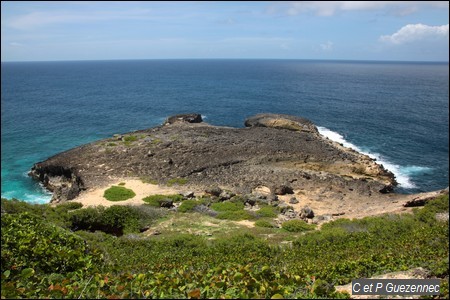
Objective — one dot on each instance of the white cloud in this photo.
(329, 8)
(416, 32)
(328, 46)
(39, 19)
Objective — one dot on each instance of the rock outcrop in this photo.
(273, 150)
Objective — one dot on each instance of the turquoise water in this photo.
(396, 112)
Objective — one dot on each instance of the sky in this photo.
(341, 30)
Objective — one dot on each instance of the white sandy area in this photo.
(95, 197)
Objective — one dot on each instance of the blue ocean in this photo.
(397, 112)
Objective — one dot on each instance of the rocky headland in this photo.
(272, 150)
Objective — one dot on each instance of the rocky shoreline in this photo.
(272, 150)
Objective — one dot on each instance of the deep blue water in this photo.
(397, 112)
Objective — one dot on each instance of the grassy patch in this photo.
(265, 224)
(227, 206)
(157, 200)
(297, 226)
(111, 144)
(189, 205)
(148, 179)
(236, 215)
(267, 211)
(118, 193)
(177, 181)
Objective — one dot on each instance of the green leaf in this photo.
(28, 272)
(6, 273)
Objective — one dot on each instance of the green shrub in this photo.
(236, 215)
(130, 138)
(189, 205)
(30, 242)
(267, 211)
(178, 181)
(148, 179)
(297, 226)
(159, 200)
(111, 144)
(264, 223)
(227, 206)
(69, 206)
(118, 193)
(116, 219)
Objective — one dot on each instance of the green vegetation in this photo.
(72, 252)
(118, 193)
(178, 181)
(148, 179)
(189, 205)
(267, 211)
(297, 226)
(159, 200)
(227, 206)
(264, 223)
(111, 144)
(130, 138)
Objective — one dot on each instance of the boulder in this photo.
(306, 213)
(293, 200)
(283, 190)
(184, 118)
(214, 191)
(280, 121)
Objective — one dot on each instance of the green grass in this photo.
(267, 211)
(189, 205)
(264, 223)
(177, 181)
(297, 226)
(156, 200)
(148, 179)
(118, 193)
(227, 206)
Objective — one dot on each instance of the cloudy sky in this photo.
(355, 30)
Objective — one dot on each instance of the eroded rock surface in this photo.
(274, 150)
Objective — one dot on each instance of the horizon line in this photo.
(301, 59)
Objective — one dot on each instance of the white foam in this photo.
(402, 173)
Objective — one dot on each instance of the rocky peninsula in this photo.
(273, 151)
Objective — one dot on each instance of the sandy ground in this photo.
(347, 207)
(95, 197)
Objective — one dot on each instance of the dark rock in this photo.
(293, 200)
(306, 213)
(283, 190)
(215, 191)
(272, 198)
(184, 118)
(145, 228)
(188, 195)
(280, 121)
(166, 203)
(226, 195)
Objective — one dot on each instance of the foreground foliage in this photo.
(46, 255)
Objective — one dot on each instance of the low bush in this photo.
(118, 193)
(227, 206)
(297, 226)
(267, 211)
(162, 200)
(236, 215)
(264, 223)
(116, 219)
(189, 205)
(177, 181)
